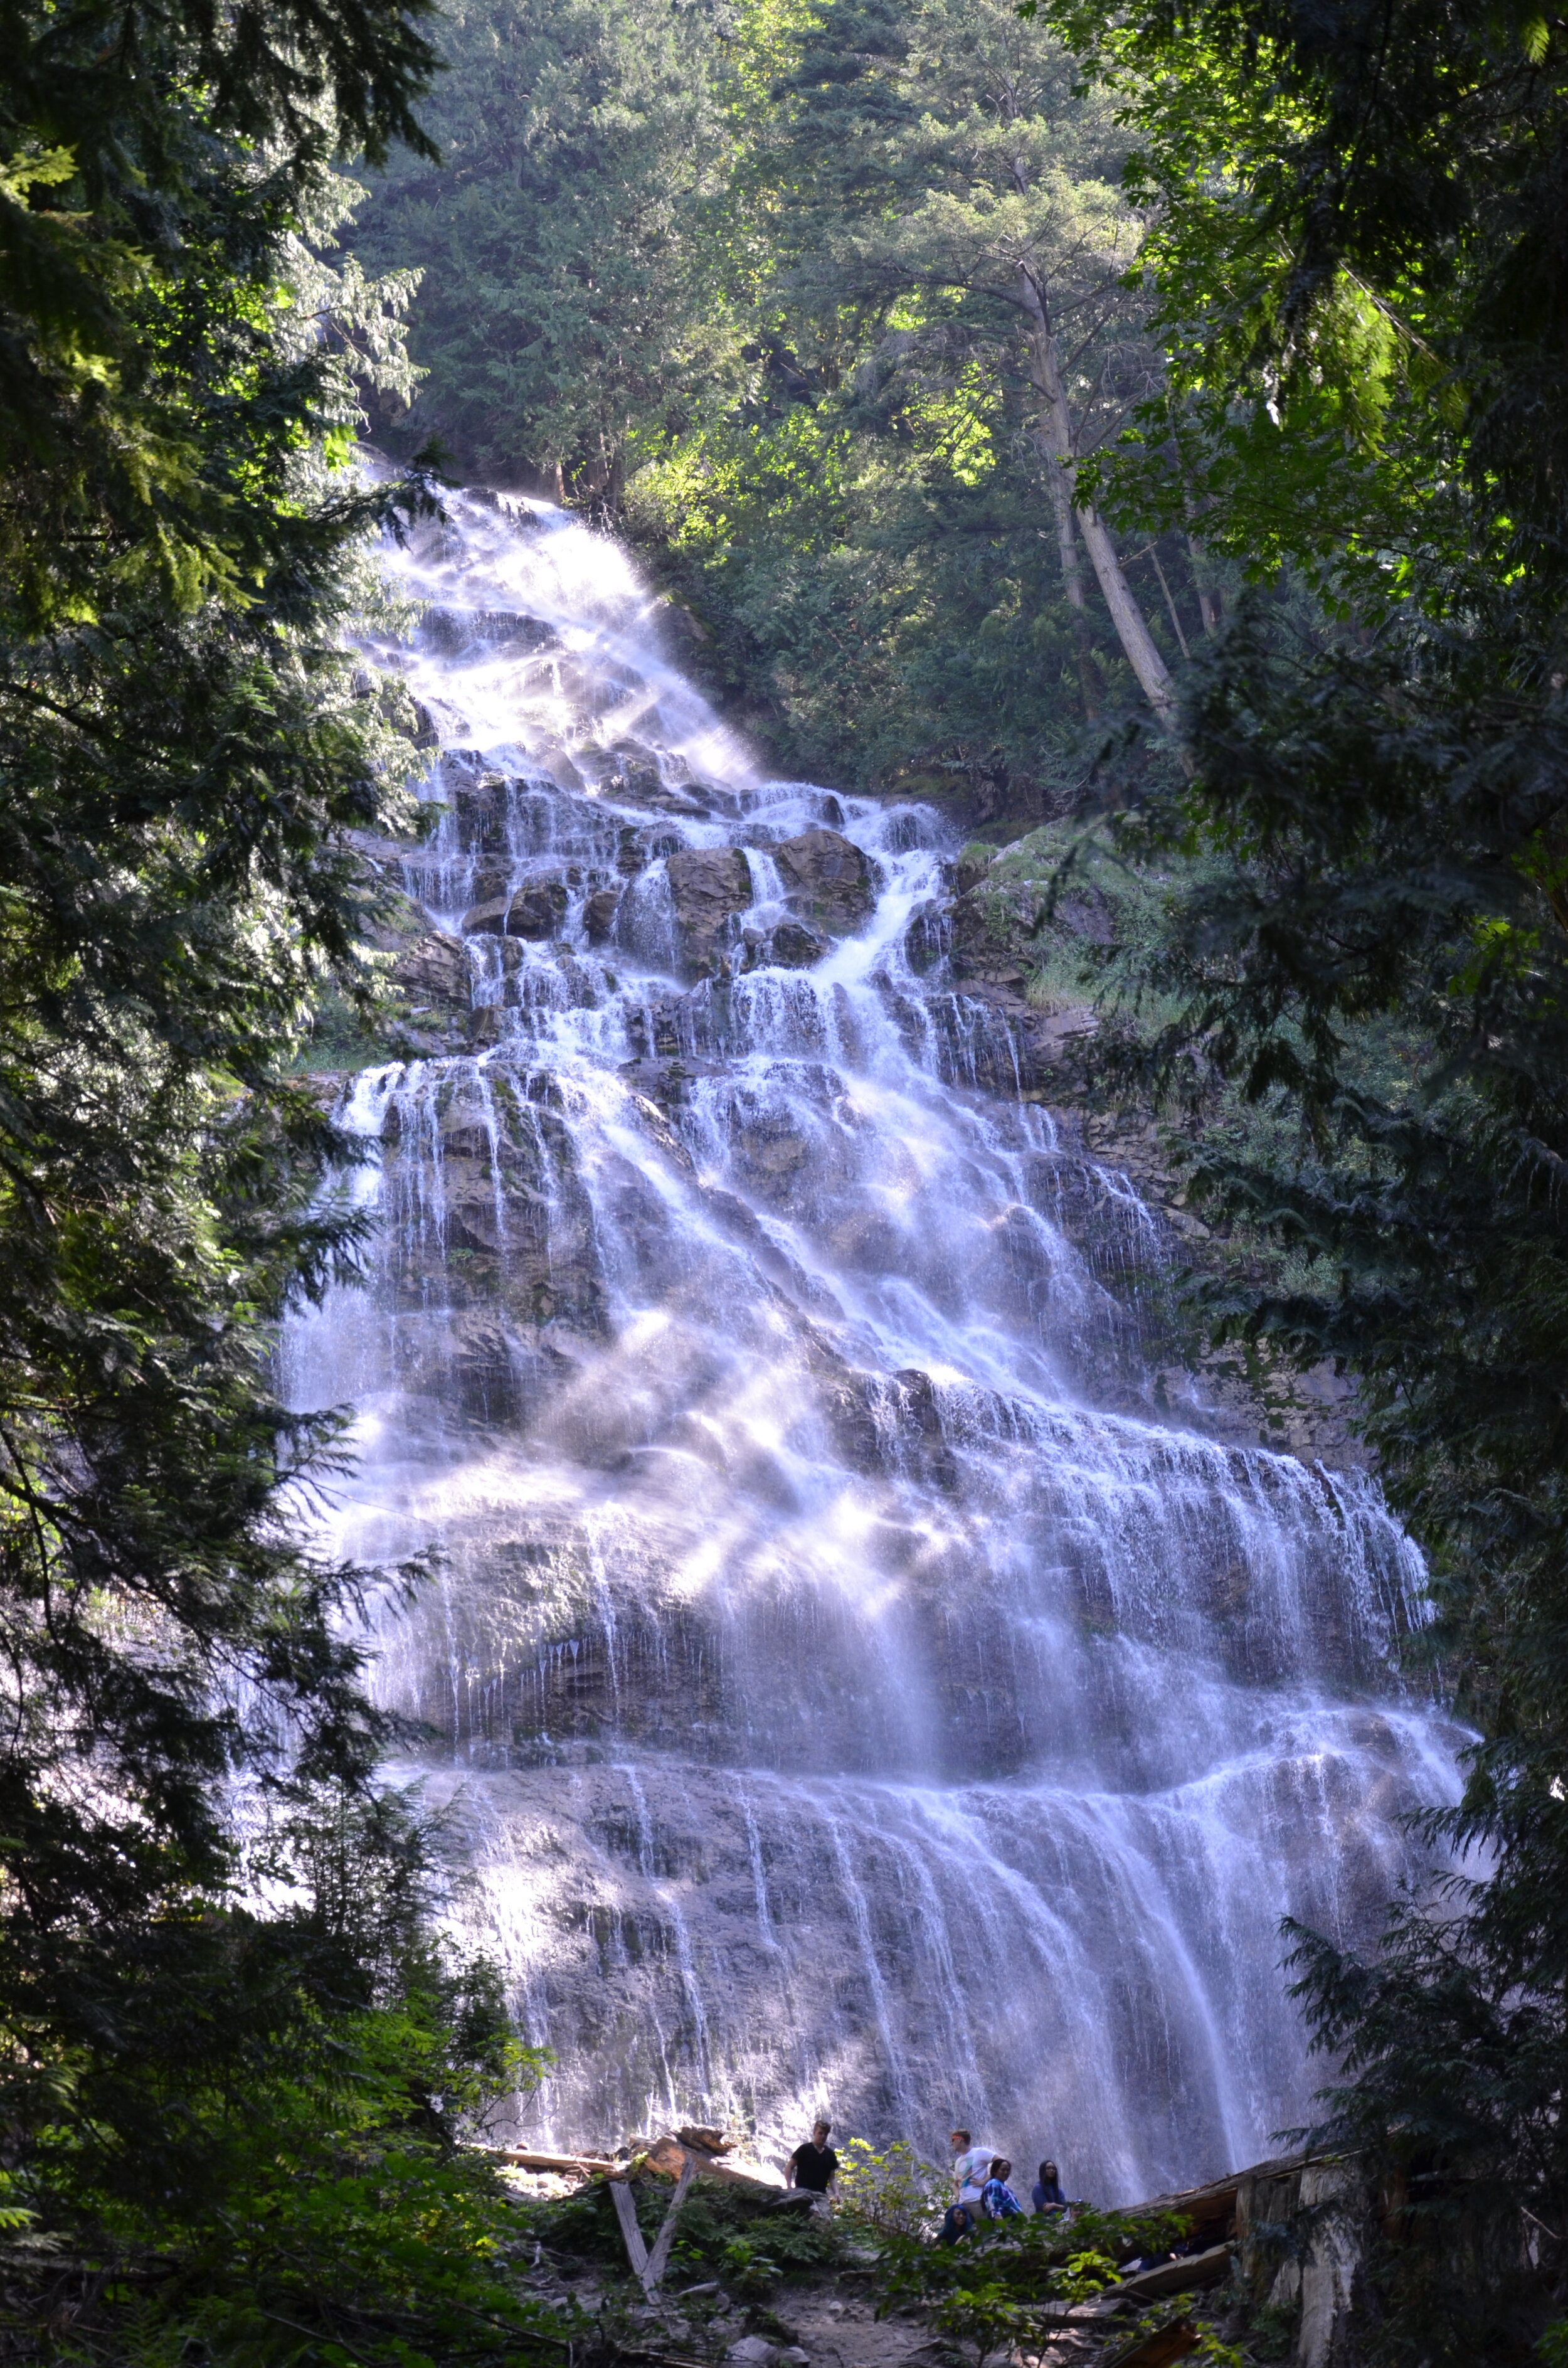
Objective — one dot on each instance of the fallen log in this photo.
(668, 2154)
(1157, 2348)
(1213, 2204)
(1180, 2276)
(568, 2166)
(660, 2255)
(625, 2204)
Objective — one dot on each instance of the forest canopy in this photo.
(235, 2056)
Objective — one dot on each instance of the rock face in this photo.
(598, 914)
(436, 969)
(709, 885)
(830, 873)
(794, 947)
(536, 910)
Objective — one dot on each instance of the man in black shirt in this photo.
(814, 2165)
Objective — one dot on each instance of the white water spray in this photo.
(861, 1697)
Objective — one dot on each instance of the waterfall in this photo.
(853, 1694)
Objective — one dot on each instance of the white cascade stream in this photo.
(855, 1695)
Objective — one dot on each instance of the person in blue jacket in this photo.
(998, 2200)
(1046, 2194)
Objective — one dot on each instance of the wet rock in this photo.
(435, 968)
(926, 938)
(488, 919)
(457, 633)
(982, 939)
(638, 781)
(922, 1423)
(491, 881)
(660, 1024)
(709, 885)
(796, 947)
(598, 914)
(831, 872)
(972, 866)
(535, 910)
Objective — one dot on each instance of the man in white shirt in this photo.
(972, 2167)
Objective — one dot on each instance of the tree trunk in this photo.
(1208, 599)
(1143, 653)
(1073, 585)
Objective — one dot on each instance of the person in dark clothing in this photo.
(814, 2165)
(957, 2221)
(1046, 2194)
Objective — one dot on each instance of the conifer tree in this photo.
(953, 197)
(185, 752)
(577, 248)
(1358, 249)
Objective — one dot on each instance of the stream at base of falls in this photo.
(852, 1694)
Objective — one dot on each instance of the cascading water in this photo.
(860, 1699)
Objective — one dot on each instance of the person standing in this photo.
(998, 2200)
(814, 2165)
(1046, 2194)
(972, 2168)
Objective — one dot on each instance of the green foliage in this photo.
(742, 2240)
(1030, 2259)
(883, 622)
(1365, 933)
(577, 251)
(257, 2152)
(982, 2314)
(232, 2075)
(155, 158)
(893, 2196)
(874, 536)
(1271, 2331)
(751, 281)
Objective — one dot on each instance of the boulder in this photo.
(709, 885)
(831, 873)
(795, 947)
(637, 780)
(535, 910)
(598, 914)
(974, 864)
(489, 881)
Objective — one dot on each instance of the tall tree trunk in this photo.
(1073, 585)
(1056, 422)
(1208, 599)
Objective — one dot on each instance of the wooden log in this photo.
(1171, 2277)
(625, 2204)
(666, 2237)
(668, 2154)
(568, 2165)
(1158, 2348)
(1215, 2201)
